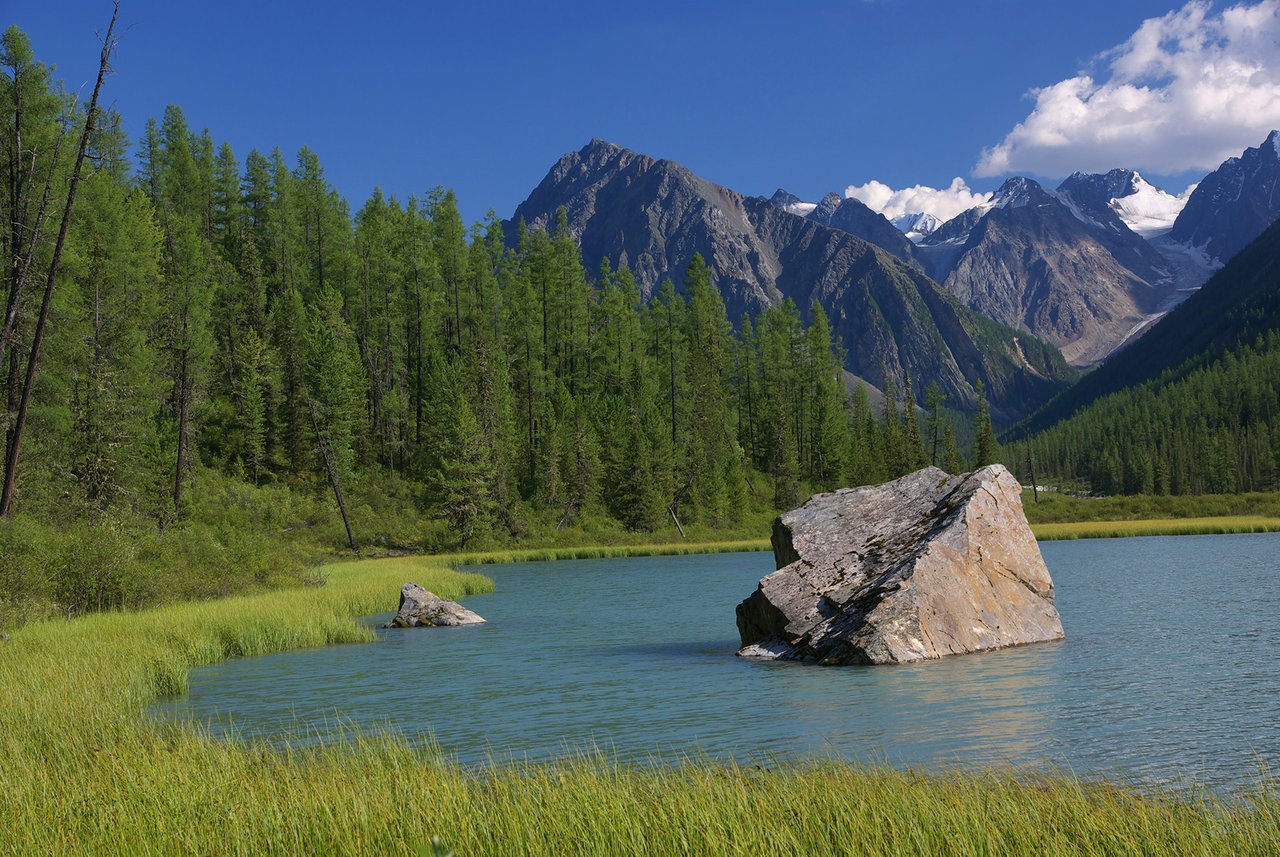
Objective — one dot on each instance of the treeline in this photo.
(1211, 426)
(239, 317)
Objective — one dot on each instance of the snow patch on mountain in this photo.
(1149, 210)
(1191, 265)
(916, 225)
(788, 201)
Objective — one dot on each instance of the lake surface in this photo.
(1170, 670)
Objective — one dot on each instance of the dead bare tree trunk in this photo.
(1031, 468)
(333, 477)
(18, 283)
(179, 469)
(11, 457)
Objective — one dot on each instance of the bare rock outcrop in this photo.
(419, 607)
(925, 566)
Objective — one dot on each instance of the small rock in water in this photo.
(419, 607)
(922, 567)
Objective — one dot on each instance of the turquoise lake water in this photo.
(1170, 671)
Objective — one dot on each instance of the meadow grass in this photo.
(1225, 525)
(84, 770)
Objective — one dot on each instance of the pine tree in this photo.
(913, 456)
(986, 449)
(952, 460)
(933, 403)
(462, 481)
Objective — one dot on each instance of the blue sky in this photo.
(484, 97)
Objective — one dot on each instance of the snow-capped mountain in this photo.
(1088, 265)
(1233, 204)
(916, 225)
(1141, 206)
(1149, 211)
(1060, 263)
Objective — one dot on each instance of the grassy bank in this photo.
(1226, 525)
(547, 554)
(1062, 516)
(1056, 507)
(84, 771)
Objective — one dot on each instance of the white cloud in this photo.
(1186, 91)
(942, 203)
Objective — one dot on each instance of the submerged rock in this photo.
(922, 567)
(420, 607)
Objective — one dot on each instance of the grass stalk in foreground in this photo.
(82, 769)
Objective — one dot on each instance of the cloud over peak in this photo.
(942, 203)
(1186, 91)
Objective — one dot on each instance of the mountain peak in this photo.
(1020, 191)
(782, 198)
(1234, 203)
(826, 208)
(595, 143)
(789, 202)
(916, 225)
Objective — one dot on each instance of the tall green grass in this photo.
(83, 770)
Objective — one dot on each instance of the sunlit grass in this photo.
(1228, 524)
(83, 770)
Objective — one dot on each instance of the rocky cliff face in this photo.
(925, 566)
(1234, 203)
(653, 216)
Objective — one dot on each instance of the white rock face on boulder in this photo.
(419, 607)
(925, 566)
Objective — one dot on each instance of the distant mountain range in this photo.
(1091, 264)
(1087, 267)
(654, 215)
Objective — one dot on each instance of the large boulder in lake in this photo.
(922, 567)
(419, 607)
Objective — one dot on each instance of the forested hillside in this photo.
(1191, 407)
(235, 365)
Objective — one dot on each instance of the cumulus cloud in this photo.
(942, 203)
(1186, 91)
